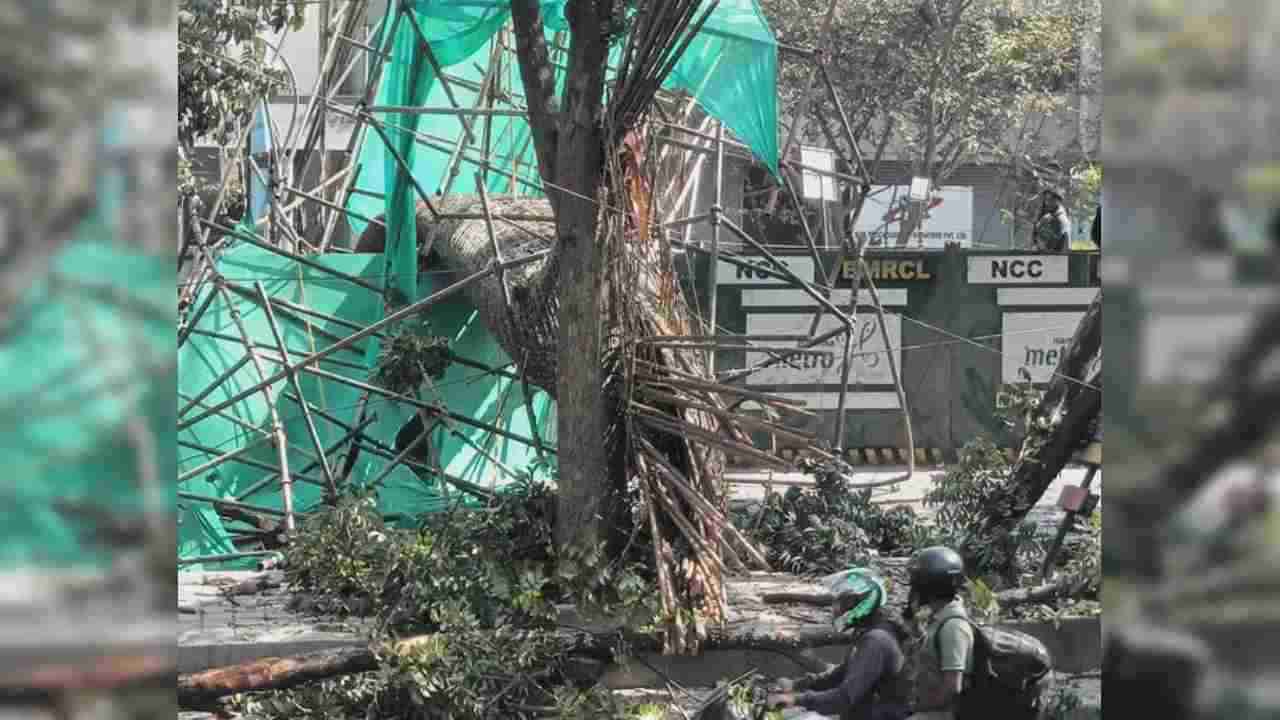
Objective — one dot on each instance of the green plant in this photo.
(828, 528)
(410, 356)
(1063, 703)
(961, 498)
(484, 582)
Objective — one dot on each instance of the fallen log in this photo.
(1070, 587)
(196, 690)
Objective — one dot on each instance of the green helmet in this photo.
(858, 593)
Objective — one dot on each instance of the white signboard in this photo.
(870, 365)
(1035, 341)
(814, 185)
(948, 219)
(1022, 297)
(733, 274)
(790, 297)
(1017, 269)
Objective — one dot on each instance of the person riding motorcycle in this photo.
(871, 683)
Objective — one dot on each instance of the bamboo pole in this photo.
(272, 356)
(194, 318)
(303, 197)
(217, 382)
(418, 404)
(277, 428)
(252, 239)
(407, 311)
(794, 435)
(804, 285)
(226, 557)
(232, 503)
(897, 377)
(264, 482)
(382, 450)
(358, 132)
(511, 317)
(855, 288)
(717, 211)
(391, 150)
(219, 460)
(312, 432)
(468, 137)
(246, 426)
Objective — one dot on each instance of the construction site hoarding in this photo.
(961, 325)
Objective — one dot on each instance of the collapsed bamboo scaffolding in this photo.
(674, 389)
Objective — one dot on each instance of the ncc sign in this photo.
(1018, 269)
(734, 274)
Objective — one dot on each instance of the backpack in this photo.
(1011, 672)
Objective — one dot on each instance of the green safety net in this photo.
(490, 394)
(91, 348)
(729, 68)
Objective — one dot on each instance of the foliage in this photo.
(829, 528)
(410, 356)
(1062, 703)
(485, 567)
(485, 581)
(941, 83)
(223, 68)
(961, 498)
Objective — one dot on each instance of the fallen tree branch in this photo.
(1067, 587)
(196, 690)
(279, 673)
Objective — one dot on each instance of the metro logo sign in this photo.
(1018, 269)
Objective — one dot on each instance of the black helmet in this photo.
(936, 572)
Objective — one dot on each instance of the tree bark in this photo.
(200, 689)
(1071, 404)
(573, 184)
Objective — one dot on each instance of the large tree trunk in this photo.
(1070, 406)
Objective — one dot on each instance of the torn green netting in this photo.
(730, 68)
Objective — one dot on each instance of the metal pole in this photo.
(1068, 522)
